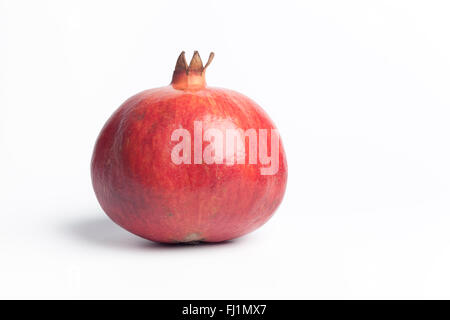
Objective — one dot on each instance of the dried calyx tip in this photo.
(181, 62)
(196, 64)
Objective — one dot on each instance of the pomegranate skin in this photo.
(141, 189)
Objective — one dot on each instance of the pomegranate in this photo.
(188, 162)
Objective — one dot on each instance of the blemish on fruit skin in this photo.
(141, 116)
(213, 212)
(195, 236)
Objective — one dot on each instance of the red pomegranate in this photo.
(188, 162)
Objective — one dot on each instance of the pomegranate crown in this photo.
(196, 65)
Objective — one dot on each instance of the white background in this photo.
(360, 91)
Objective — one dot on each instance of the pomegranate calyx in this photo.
(196, 64)
(190, 77)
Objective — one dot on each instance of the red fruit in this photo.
(165, 168)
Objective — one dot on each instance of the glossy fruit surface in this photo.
(142, 186)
